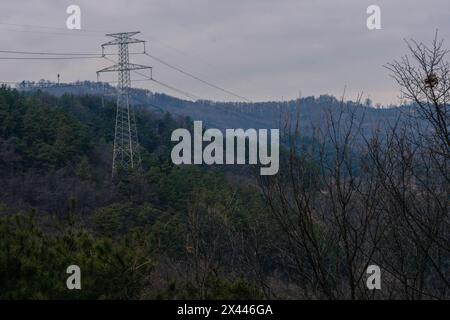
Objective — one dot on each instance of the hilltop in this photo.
(223, 115)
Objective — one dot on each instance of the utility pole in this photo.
(126, 153)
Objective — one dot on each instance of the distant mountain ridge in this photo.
(223, 115)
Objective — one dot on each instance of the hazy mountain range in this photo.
(222, 115)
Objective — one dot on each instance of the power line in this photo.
(78, 56)
(62, 53)
(189, 95)
(195, 58)
(176, 68)
(84, 56)
(73, 56)
(95, 32)
(50, 58)
(54, 84)
(167, 86)
(49, 53)
(90, 32)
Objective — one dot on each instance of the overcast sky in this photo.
(260, 49)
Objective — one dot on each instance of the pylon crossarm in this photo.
(113, 68)
(127, 67)
(118, 41)
(122, 34)
(132, 66)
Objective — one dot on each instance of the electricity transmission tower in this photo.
(126, 153)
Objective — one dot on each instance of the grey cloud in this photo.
(262, 49)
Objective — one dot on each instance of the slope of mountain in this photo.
(222, 115)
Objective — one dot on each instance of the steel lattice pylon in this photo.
(126, 153)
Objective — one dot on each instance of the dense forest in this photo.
(343, 200)
(139, 237)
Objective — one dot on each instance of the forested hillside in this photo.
(342, 201)
(141, 237)
(223, 115)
